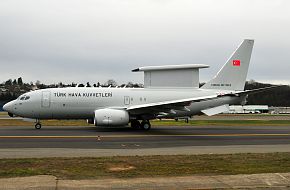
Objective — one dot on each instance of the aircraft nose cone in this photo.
(7, 107)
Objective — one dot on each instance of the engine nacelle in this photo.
(111, 117)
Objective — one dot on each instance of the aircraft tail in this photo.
(233, 74)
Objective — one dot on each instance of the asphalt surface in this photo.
(86, 137)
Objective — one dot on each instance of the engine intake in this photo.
(111, 117)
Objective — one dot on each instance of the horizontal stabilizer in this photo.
(258, 90)
(216, 110)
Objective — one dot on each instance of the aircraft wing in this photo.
(167, 106)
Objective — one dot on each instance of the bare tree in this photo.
(111, 82)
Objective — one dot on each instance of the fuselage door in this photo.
(126, 100)
(45, 101)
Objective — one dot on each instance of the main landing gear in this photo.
(37, 124)
(144, 125)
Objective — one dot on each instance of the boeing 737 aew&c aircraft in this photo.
(169, 91)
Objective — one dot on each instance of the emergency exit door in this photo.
(45, 101)
(126, 100)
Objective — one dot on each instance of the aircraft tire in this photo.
(145, 125)
(37, 126)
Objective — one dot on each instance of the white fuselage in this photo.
(81, 102)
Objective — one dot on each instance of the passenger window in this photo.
(27, 97)
(22, 98)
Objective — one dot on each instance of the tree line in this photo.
(279, 96)
(13, 88)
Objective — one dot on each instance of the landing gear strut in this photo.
(38, 124)
(135, 124)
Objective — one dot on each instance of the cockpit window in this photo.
(23, 97)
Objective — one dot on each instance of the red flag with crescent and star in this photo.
(236, 63)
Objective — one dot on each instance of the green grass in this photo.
(222, 123)
(253, 115)
(146, 166)
(3, 113)
(20, 122)
(218, 120)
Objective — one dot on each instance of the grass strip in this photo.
(19, 122)
(146, 166)
(222, 123)
(2, 113)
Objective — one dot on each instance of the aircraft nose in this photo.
(8, 107)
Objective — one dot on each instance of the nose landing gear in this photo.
(38, 124)
(10, 114)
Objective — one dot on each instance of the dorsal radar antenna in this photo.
(171, 76)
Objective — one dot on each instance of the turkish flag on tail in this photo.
(236, 63)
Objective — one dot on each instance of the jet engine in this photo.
(111, 117)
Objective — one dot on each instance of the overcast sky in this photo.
(96, 40)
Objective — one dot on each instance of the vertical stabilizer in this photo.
(233, 74)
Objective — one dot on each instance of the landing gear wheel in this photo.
(135, 124)
(145, 125)
(37, 126)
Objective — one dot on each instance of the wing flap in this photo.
(216, 110)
